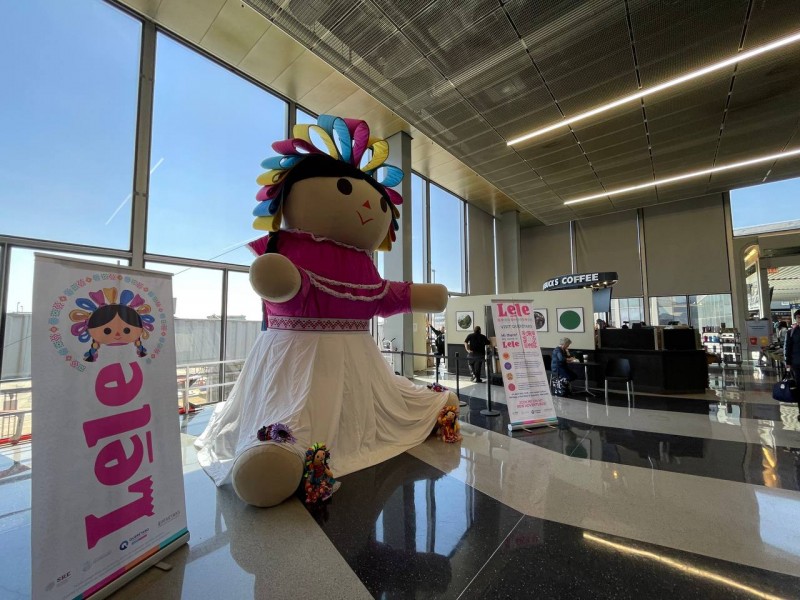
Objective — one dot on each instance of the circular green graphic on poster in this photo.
(570, 320)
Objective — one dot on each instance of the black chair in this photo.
(619, 369)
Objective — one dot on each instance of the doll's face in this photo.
(340, 208)
(319, 457)
(450, 416)
(115, 333)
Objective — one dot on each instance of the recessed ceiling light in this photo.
(657, 182)
(738, 58)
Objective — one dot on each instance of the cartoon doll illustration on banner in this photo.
(107, 321)
(328, 204)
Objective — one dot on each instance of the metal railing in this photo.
(196, 378)
(12, 417)
(488, 411)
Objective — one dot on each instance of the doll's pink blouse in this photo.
(337, 282)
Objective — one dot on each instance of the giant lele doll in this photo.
(315, 375)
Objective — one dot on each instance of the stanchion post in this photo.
(458, 384)
(489, 411)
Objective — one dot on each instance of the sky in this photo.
(767, 203)
(66, 162)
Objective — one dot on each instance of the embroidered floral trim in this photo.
(356, 286)
(311, 324)
(344, 295)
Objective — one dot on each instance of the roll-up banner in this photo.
(107, 482)
(521, 365)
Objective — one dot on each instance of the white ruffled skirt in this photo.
(334, 388)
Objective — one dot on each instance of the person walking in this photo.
(476, 343)
(791, 348)
(438, 344)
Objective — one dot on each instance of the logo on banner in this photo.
(100, 316)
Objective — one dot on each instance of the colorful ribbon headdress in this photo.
(347, 140)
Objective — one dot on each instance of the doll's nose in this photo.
(366, 204)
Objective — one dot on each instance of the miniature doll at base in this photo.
(316, 368)
(319, 483)
(448, 425)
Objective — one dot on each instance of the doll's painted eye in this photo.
(384, 205)
(344, 186)
(126, 331)
(107, 330)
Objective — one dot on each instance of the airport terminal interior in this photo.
(632, 167)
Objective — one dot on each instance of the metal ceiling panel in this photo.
(362, 28)
(673, 38)
(785, 168)
(722, 181)
(443, 20)
(770, 20)
(610, 130)
(471, 74)
(478, 47)
(402, 12)
(599, 57)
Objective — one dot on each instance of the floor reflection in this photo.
(407, 530)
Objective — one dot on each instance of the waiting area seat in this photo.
(619, 369)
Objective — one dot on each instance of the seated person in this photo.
(561, 357)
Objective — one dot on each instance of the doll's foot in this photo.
(266, 475)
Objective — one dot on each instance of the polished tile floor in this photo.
(693, 496)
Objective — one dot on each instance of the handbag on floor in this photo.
(786, 390)
(561, 386)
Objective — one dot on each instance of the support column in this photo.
(397, 264)
(765, 312)
(508, 251)
(144, 125)
(643, 266)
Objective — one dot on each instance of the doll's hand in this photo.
(428, 297)
(274, 278)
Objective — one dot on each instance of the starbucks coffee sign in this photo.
(580, 280)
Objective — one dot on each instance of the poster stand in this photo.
(151, 561)
(530, 403)
(107, 492)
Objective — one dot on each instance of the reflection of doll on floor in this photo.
(319, 482)
(448, 425)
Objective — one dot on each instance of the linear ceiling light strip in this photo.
(738, 58)
(657, 182)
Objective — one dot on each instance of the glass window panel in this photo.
(197, 299)
(710, 310)
(447, 239)
(668, 309)
(304, 118)
(418, 234)
(242, 327)
(771, 206)
(16, 340)
(197, 295)
(211, 129)
(244, 317)
(68, 120)
(380, 263)
(630, 310)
